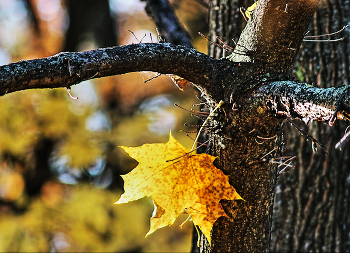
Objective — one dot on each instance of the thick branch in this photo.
(274, 32)
(309, 103)
(66, 69)
(167, 23)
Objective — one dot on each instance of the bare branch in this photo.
(299, 100)
(167, 23)
(66, 69)
(274, 32)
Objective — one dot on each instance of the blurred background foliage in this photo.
(60, 164)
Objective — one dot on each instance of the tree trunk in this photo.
(296, 227)
(230, 234)
(311, 211)
(243, 148)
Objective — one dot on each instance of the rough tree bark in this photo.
(258, 93)
(311, 211)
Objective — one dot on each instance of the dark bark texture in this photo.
(240, 157)
(225, 22)
(66, 69)
(311, 211)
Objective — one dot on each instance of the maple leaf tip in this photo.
(170, 135)
(118, 201)
(171, 138)
(124, 148)
(149, 232)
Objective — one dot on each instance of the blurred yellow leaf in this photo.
(17, 133)
(177, 182)
(11, 185)
(81, 150)
(53, 126)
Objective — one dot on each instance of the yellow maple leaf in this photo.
(178, 182)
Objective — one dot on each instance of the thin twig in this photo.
(329, 40)
(186, 124)
(270, 152)
(216, 44)
(231, 49)
(324, 35)
(154, 77)
(139, 41)
(291, 158)
(308, 136)
(288, 165)
(328, 34)
(70, 95)
(343, 141)
(193, 139)
(191, 111)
